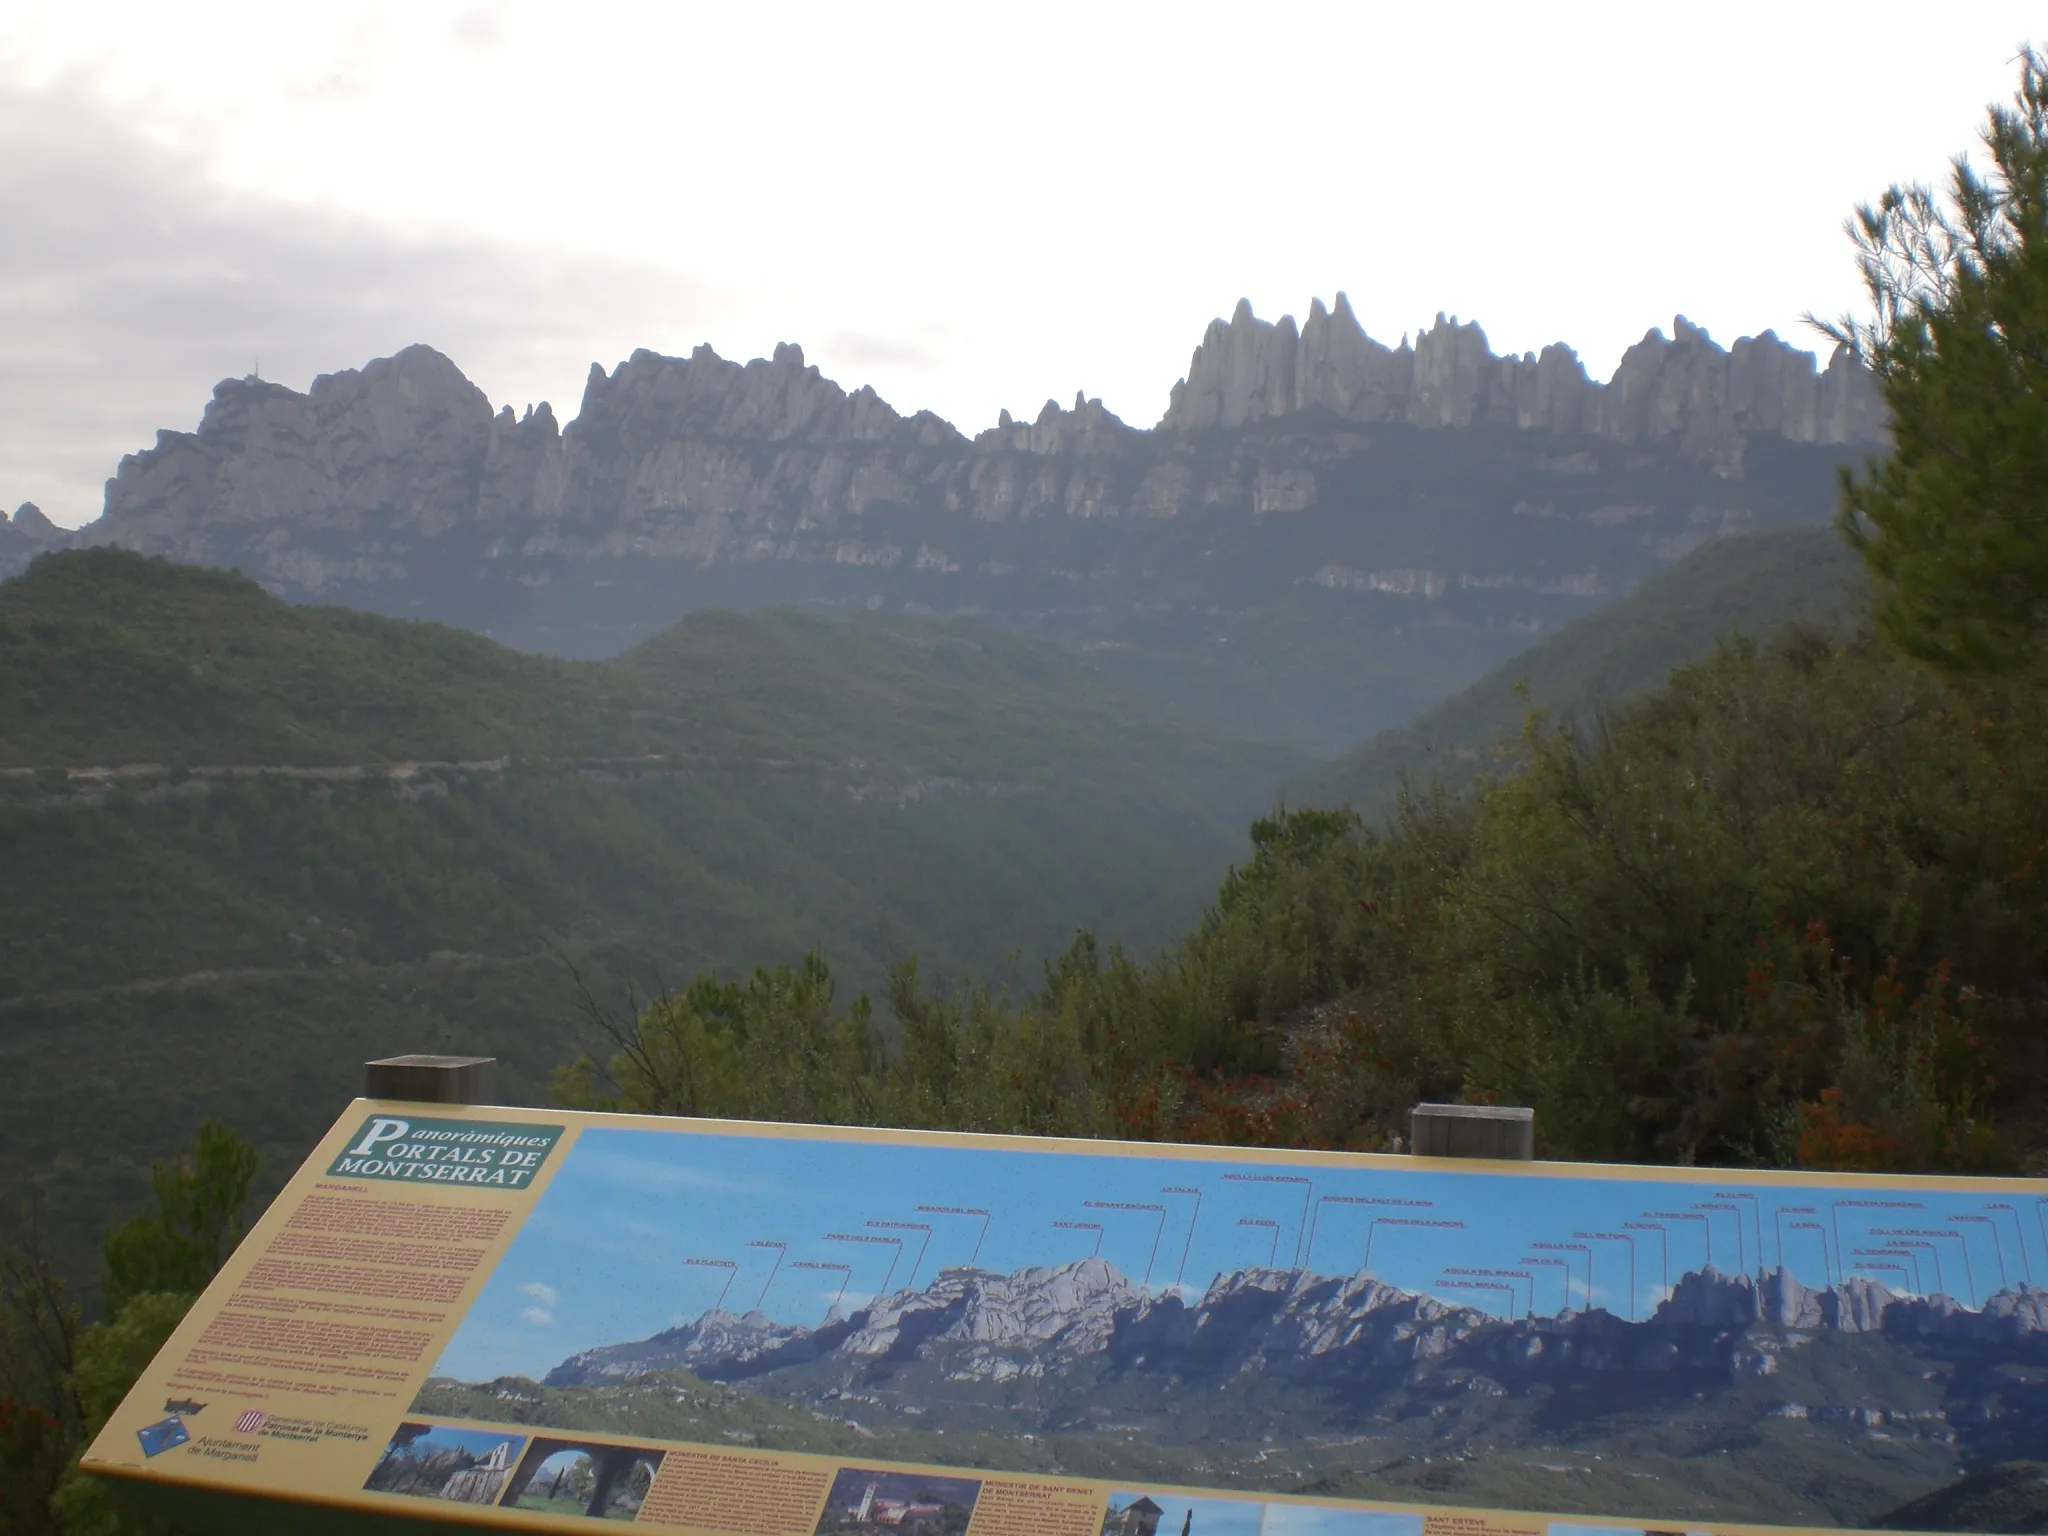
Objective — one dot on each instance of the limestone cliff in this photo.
(1685, 391)
(703, 458)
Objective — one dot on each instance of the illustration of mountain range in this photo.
(1297, 1325)
(1752, 1398)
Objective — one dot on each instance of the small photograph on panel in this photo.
(437, 1461)
(869, 1501)
(1139, 1512)
(583, 1477)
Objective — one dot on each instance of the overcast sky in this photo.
(970, 206)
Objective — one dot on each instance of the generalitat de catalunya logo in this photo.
(478, 1153)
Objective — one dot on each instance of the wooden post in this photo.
(431, 1079)
(1472, 1130)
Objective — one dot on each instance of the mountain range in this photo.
(1753, 1399)
(1321, 537)
(1298, 1325)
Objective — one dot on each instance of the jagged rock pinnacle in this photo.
(1687, 390)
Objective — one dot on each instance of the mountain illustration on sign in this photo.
(1294, 1325)
(1567, 1345)
(1268, 1354)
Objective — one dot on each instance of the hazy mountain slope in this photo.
(246, 843)
(2012, 1496)
(106, 659)
(1755, 583)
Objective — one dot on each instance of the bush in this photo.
(1788, 910)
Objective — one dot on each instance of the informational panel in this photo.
(536, 1320)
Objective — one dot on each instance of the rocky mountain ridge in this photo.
(1685, 389)
(25, 535)
(1320, 537)
(1738, 1397)
(409, 439)
(1298, 1325)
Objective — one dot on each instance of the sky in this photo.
(475, 1442)
(1326, 1520)
(972, 208)
(643, 1230)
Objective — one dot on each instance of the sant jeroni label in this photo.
(499, 1155)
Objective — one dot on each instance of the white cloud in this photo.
(545, 1298)
(130, 283)
(481, 28)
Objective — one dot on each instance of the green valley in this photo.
(250, 844)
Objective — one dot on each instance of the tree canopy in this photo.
(1954, 522)
(60, 1380)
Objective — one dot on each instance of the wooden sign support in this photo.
(431, 1079)
(1472, 1130)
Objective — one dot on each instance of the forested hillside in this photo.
(1788, 910)
(248, 845)
(1755, 584)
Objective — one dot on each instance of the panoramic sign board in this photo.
(533, 1320)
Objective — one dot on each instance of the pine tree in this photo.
(1953, 523)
